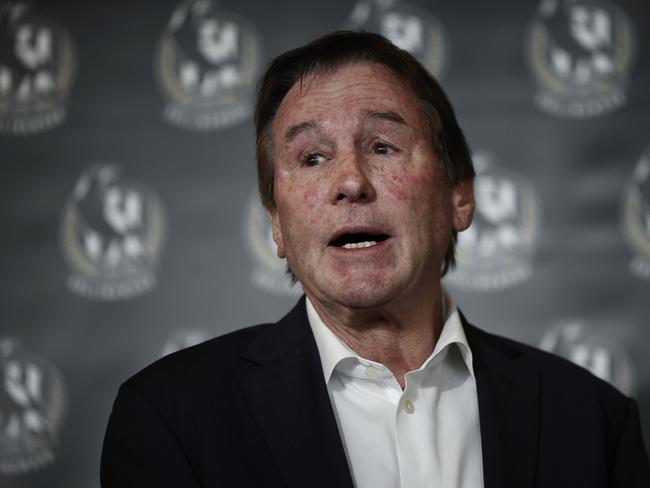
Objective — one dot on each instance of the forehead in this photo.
(346, 93)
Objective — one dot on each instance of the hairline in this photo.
(428, 112)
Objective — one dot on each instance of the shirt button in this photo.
(371, 372)
(409, 407)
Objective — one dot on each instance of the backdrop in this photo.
(130, 221)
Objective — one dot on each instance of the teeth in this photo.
(358, 245)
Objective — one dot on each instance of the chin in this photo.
(365, 296)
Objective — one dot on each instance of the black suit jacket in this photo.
(251, 409)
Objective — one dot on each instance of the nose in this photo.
(350, 181)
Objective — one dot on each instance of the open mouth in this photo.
(358, 240)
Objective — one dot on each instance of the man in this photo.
(374, 379)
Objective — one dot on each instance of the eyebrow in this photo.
(389, 115)
(295, 130)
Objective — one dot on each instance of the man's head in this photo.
(325, 55)
(328, 99)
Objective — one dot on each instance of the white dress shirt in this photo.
(425, 436)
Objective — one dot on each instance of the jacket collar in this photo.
(508, 387)
(287, 394)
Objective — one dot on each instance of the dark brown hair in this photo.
(330, 52)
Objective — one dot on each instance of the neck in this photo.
(400, 336)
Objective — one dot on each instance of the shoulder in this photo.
(563, 372)
(197, 370)
(210, 371)
(563, 384)
(584, 424)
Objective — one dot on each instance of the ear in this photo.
(277, 231)
(462, 196)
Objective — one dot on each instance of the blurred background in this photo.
(131, 225)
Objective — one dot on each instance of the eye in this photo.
(381, 148)
(313, 159)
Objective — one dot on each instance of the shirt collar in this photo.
(333, 350)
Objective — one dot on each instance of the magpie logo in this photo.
(207, 63)
(37, 68)
(581, 55)
(578, 341)
(32, 408)
(269, 271)
(636, 217)
(410, 28)
(496, 252)
(112, 235)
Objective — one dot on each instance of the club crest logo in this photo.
(636, 216)
(581, 55)
(409, 28)
(112, 235)
(184, 338)
(32, 407)
(269, 272)
(207, 62)
(37, 67)
(579, 342)
(496, 251)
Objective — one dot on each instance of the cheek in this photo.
(301, 194)
(299, 204)
(407, 187)
(311, 194)
(396, 187)
(423, 199)
(309, 199)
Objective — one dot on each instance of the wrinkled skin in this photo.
(349, 163)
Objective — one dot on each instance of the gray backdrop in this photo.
(131, 228)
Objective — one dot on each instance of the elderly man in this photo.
(374, 379)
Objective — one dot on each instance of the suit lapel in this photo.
(285, 388)
(508, 396)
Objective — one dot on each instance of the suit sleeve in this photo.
(140, 450)
(632, 467)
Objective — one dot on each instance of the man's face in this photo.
(363, 211)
